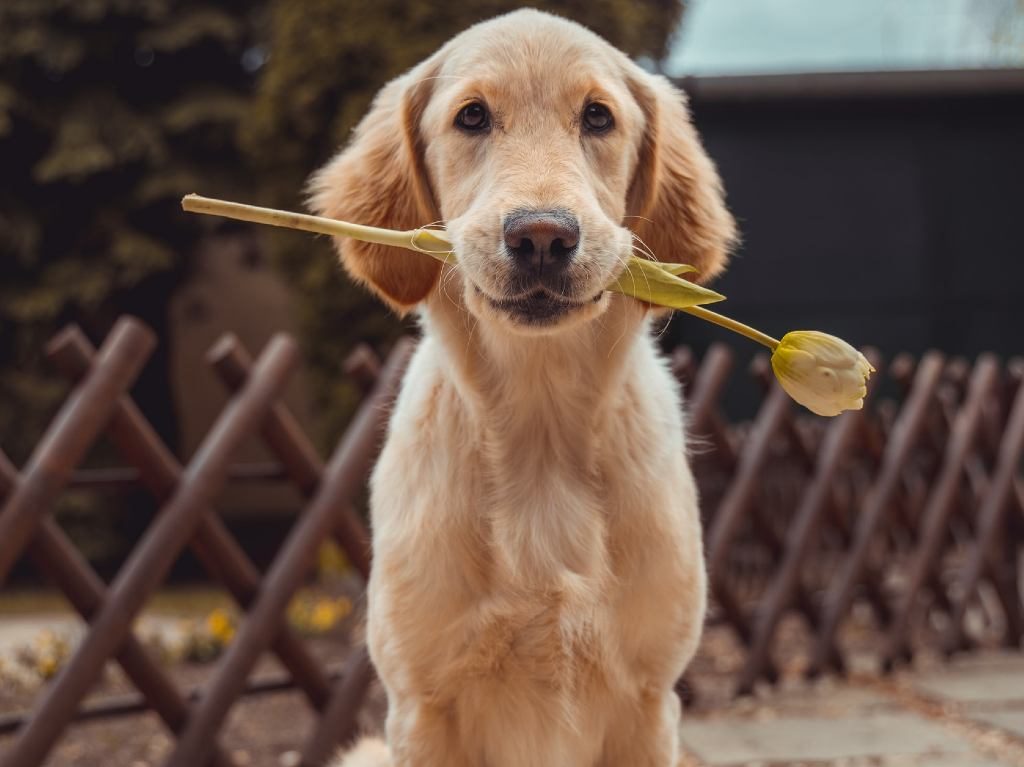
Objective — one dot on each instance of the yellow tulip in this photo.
(821, 372)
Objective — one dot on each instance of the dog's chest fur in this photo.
(535, 542)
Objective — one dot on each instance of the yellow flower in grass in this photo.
(48, 666)
(821, 372)
(322, 617)
(311, 614)
(220, 626)
(46, 655)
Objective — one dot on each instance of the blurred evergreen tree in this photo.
(328, 59)
(110, 110)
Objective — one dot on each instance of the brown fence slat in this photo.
(54, 556)
(337, 727)
(132, 704)
(286, 439)
(878, 504)
(212, 544)
(153, 556)
(128, 478)
(810, 514)
(737, 501)
(701, 403)
(905, 435)
(941, 504)
(70, 435)
(992, 514)
(343, 476)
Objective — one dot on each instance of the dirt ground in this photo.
(262, 731)
(269, 730)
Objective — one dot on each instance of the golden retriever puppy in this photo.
(538, 581)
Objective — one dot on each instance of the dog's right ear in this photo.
(380, 179)
(676, 198)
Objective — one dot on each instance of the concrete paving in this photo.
(1010, 720)
(967, 714)
(820, 740)
(990, 679)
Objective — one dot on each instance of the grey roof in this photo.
(967, 83)
(742, 37)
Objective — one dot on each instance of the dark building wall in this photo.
(889, 218)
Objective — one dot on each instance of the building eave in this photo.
(842, 86)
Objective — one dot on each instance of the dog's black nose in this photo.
(541, 240)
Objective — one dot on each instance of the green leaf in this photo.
(650, 281)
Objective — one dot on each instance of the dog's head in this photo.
(550, 157)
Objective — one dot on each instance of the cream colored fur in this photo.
(538, 582)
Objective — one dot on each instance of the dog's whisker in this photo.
(664, 327)
(643, 248)
(647, 248)
(647, 282)
(444, 282)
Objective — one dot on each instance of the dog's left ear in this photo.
(676, 195)
(380, 179)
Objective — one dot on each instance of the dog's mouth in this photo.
(539, 307)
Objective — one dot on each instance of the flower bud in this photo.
(821, 372)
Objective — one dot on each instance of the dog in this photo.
(538, 581)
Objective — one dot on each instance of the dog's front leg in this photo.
(423, 735)
(645, 736)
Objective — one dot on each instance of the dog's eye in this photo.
(597, 118)
(473, 117)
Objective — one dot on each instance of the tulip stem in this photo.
(431, 242)
(730, 324)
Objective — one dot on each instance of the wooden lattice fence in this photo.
(912, 506)
(909, 506)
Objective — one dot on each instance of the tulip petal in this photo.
(650, 282)
(821, 372)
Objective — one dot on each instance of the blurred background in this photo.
(872, 152)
